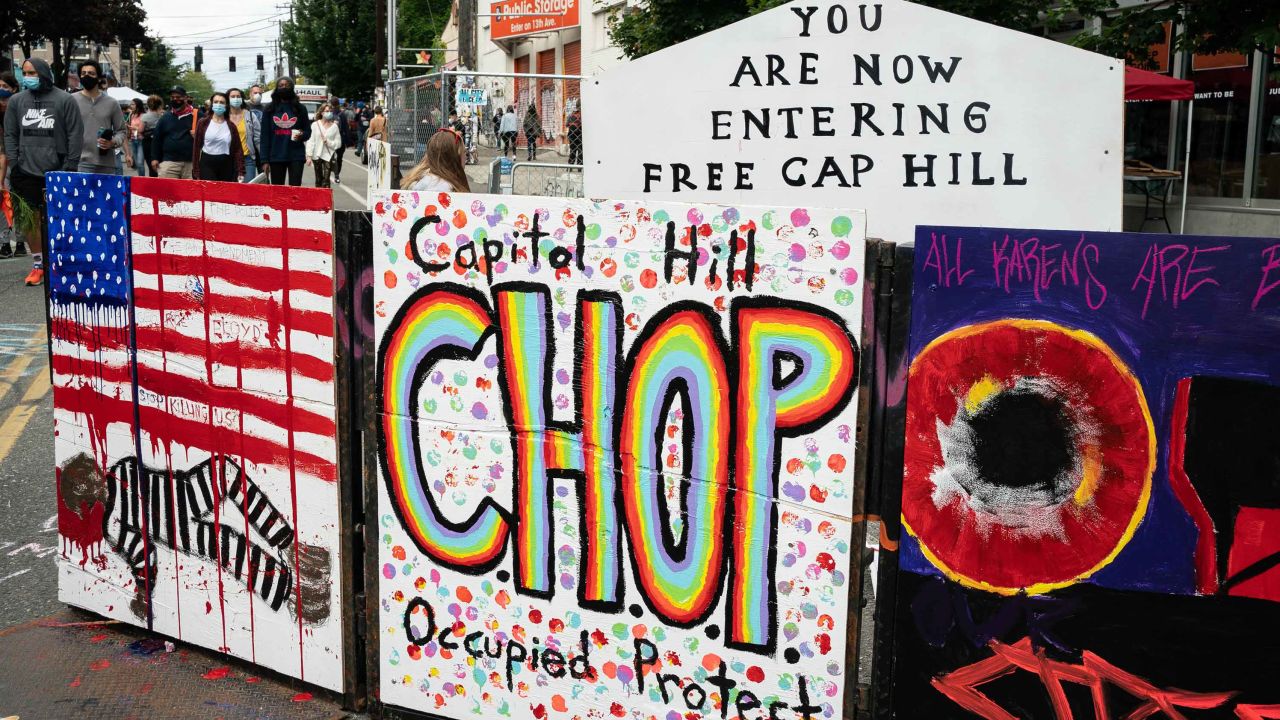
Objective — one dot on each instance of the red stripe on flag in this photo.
(264, 407)
(152, 339)
(242, 274)
(166, 226)
(273, 196)
(253, 310)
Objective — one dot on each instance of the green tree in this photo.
(638, 31)
(330, 41)
(420, 23)
(197, 85)
(1212, 26)
(158, 69)
(62, 22)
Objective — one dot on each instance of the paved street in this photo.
(28, 525)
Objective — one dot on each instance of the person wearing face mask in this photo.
(155, 111)
(42, 133)
(8, 86)
(247, 124)
(323, 146)
(286, 128)
(172, 141)
(218, 152)
(255, 99)
(102, 121)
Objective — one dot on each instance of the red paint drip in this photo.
(217, 673)
(81, 531)
(302, 697)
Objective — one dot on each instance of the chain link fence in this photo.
(534, 121)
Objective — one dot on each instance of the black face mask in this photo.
(283, 95)
(88, 82)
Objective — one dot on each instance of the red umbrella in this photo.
(1146, 85)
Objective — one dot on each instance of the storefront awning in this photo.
(1145, 85)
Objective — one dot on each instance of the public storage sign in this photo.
(914, 114)
(513, 18)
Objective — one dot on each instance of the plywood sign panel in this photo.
(211, 430)
(885, 106)
(616, 453)
(1090, 489)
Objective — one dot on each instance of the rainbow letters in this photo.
(615, 441)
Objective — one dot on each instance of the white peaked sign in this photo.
(917, 115)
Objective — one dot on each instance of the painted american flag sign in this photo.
(195, 414)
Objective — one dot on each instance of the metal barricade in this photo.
(547, 123)
(552, 179)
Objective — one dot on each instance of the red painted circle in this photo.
(981, 547)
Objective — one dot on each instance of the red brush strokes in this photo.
(254, 277)
(249, 357)
(1256, 536)
(271, 238)
(164, 427)
(1258, 712)
(302, 697)
(961, 686)
(250, 308)
(275, 197)
(81, 530)
(266, 408)
(217, 673)
(1206, 558)
(102, 664)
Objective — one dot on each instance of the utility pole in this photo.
(380, 42)
(467, 35)
(392, 40)
(292, 70)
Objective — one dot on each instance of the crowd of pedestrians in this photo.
(233, 137)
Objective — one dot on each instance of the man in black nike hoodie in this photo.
(42, 133)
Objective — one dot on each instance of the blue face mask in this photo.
(31, 83)
(219, 108)
(235, 102)
(5, 93)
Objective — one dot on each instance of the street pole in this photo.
(380, 37)
(392, 40)
(467, 35)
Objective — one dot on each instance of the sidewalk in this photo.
(75, 664)
(478, 173)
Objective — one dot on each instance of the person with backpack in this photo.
(174, 138)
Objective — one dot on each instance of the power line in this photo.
(218, 15)
(193, 43)
(229, 27)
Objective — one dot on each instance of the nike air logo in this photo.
(40, 119)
